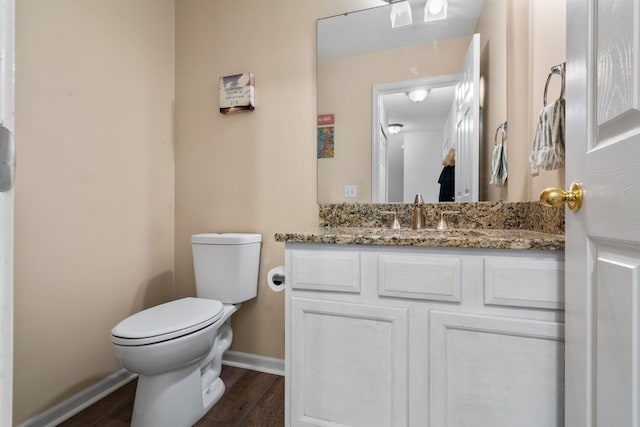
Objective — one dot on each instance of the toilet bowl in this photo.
(177, 366)
(176, 348)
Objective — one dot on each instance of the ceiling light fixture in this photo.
(418, 95)
(400, 13)
(395, 128)
(435, 10)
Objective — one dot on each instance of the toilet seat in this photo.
(167, 321)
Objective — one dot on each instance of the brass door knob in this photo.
(554, 197)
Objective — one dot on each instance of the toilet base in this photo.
(175, 399)
(180, 398)
(171, 399)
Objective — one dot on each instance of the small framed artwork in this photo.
(326, 119)
(237, 93)
(325, 142)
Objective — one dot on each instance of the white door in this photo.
(6, 208)
(603, 238)
(468, 125)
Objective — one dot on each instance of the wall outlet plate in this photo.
(350, 191)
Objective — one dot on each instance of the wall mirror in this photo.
(367, 68)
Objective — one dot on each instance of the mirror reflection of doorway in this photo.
(414, 155)
(409, 159)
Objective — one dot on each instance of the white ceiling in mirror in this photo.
(425, 116)
(367, 32)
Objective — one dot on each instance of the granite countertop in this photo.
(453, 238)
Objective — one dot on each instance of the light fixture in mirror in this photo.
(395, 128)
(400, 14)
(435, 10)
(418, 95)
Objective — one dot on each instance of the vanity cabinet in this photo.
(439, 337)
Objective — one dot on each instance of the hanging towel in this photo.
(548, 145)
(499, 165)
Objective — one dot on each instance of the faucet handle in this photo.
(393, 222)
(442, 224)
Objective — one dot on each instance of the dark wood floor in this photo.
(251, 399)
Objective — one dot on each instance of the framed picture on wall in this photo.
(325, 142)
(237, 93)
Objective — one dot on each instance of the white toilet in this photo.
(176, 348)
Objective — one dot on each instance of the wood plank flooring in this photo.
(251, 399)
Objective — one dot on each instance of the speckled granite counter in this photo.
(474, 238)
(488, 225)
(531, 216)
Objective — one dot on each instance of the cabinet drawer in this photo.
(419, 277)
(326, 271)
(524, 282)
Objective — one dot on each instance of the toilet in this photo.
(176, 348)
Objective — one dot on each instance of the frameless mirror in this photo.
(366, 71)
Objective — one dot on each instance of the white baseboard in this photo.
(254, 362)
(76, 403)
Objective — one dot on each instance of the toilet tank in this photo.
(226, 266)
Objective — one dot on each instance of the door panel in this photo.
(617, 56)
(616, 353)
(468, 125)
(603, 238)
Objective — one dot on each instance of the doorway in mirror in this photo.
(448, 116)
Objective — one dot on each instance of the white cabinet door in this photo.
(349, 364)
(494, 371)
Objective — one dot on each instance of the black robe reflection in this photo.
(447, 184)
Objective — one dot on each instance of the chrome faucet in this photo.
(418, 218)
(442, 225)
(394, 224)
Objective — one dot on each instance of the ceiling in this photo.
(370, 30)
(428, 115)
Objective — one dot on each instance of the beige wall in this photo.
(94, 197)
(547, 47)
(344, 86)
(536, 42)
(252, 171)
(492, 27)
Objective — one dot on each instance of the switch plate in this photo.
(350, 191)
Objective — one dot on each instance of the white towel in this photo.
(499, 165)
(548, 145)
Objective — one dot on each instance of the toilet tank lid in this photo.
(226, 238)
